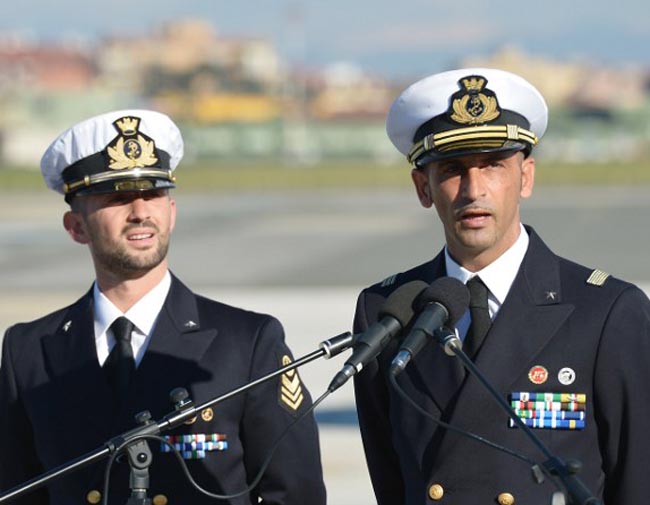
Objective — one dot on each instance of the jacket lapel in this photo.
(173, 357)
(77, 378)
(171, 360)
(530, 317)
(440, 374)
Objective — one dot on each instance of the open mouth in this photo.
(474, 217)
(136, 237)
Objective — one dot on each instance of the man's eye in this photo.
(451, 169)
(118, 199)
(151, 195)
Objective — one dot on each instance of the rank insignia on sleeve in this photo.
(290, 394)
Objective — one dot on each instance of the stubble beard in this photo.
(126, 264)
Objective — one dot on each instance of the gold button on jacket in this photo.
(506, 499)
(160, 499)
(436, 492)
(94, 497)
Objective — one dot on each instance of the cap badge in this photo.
(130, 149)
(473, 104)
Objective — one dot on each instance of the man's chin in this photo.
(136, 266)
(477, 239)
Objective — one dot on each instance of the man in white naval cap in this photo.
(75, 378)
(565, 346)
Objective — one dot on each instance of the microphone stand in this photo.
(139, 460)
(579, 494)
(138, 450)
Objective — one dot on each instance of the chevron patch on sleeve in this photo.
(291, 394)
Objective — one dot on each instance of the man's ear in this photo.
(74, 224)
(172, 208)
(527, 176)
(420, 177)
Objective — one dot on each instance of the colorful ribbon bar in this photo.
(559, 411)
(550, 414)
(554, 424)
(195, 445)
(525, 396)
(541, 405)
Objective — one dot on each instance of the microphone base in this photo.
(448, 339)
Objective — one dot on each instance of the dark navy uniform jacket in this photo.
(552, 318)
(55, 405)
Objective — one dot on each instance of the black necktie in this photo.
(120, 364)
(478, 309)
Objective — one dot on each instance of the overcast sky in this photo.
(389, 37)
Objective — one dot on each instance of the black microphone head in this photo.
(449, 292)
(399, 303)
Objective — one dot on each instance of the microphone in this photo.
(336, 345)
(395, 314)
(445, 301)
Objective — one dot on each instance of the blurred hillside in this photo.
(235, 99)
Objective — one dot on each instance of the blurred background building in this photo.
(235, 97)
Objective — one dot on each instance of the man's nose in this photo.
(139, 209)
(472, 183)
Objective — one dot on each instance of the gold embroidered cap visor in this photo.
(437, 139)
(466, 111)
(90, 175)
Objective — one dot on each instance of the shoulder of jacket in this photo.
(424, 271)
(217, 314)
(388, 281)
(597, 278)
(51, 320)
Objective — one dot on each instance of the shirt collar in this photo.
(499, 275)
(143, 314)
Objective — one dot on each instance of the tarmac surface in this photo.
(304, 257)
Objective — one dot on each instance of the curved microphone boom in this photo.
(444, 302)
(395, 314)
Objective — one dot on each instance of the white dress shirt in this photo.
(143, 315)
(498, 276)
